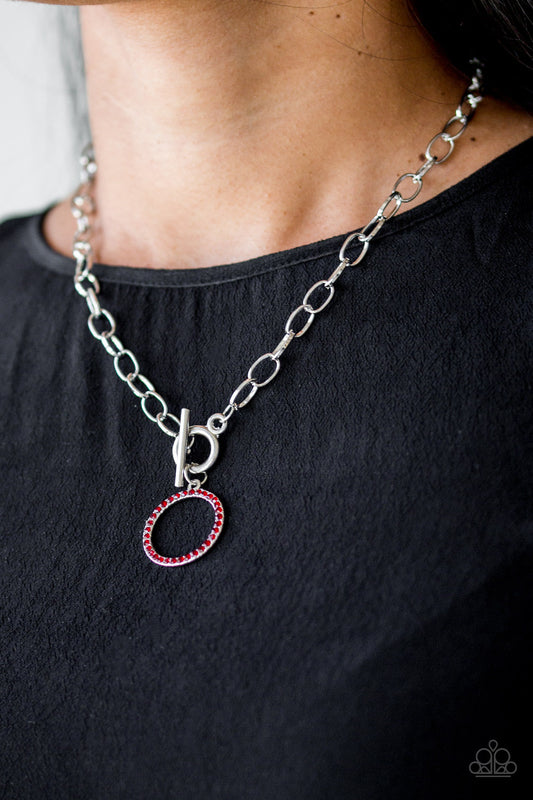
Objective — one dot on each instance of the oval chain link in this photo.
(87, 284)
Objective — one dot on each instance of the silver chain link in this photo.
(102, 324)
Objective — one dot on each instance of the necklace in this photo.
(102, 326)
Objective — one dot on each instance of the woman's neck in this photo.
(226, 129)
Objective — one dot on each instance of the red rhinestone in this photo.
(164, 503)
(213, 537)
(195, 552)
(207, 543)
(182, 558)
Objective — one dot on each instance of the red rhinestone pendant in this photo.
(197, 552)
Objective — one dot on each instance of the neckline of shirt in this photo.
(42, 254)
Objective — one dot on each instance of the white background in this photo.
(38, 142)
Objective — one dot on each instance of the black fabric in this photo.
(361, 628)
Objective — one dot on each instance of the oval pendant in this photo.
(198, 552)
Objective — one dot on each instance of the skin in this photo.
(228, 129)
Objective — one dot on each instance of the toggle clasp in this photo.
(179, 448)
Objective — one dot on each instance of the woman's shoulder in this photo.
(18, 232)
(24, 250)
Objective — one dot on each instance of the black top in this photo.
(359, 629)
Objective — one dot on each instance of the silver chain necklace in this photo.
(103, 326)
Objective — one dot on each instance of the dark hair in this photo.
(497, 32)
(74, 72)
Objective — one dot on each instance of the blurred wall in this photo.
(41, 80)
